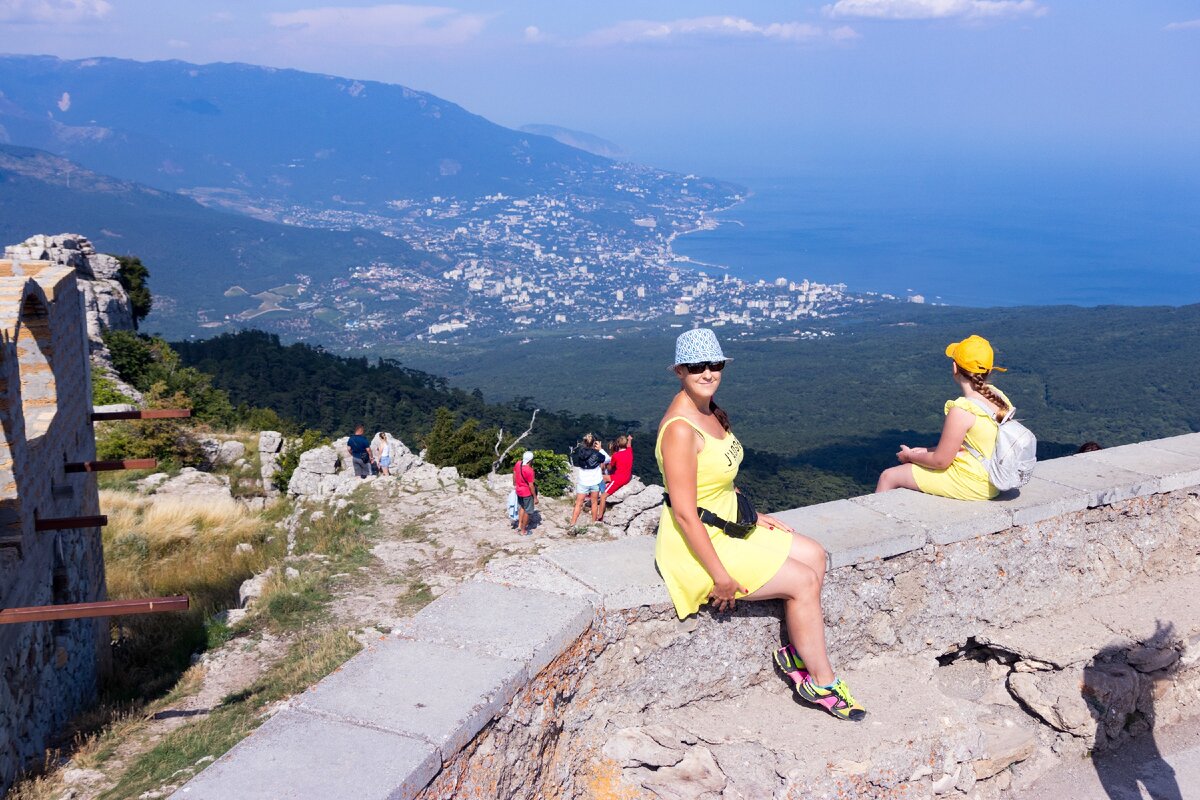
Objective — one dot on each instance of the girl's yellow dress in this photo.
(965, 478)
(751, 561)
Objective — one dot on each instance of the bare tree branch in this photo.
(501, 456)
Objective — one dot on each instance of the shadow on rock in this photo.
(1119, 689)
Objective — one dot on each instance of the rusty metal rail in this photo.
(67, 523)
(104, 608)
(145, 413)
(106, 466)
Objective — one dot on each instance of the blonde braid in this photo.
(979, 384)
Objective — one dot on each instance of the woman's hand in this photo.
(767, 521)
(905, 456)
(724, 591)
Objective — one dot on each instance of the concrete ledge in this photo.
(1102, 482)
(852, 533)
(427, 691)
(296, 755)
(1041, 499)
(1173, 469)
(943, 520)
(622, 573)
(535, 572)
(524, 625)
(1188, 444)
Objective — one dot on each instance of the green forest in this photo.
(820, 418)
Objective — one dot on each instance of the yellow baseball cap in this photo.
(973, 354)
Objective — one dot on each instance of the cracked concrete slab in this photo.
(622, 572)
(1174, 470)
(297, 755)
(852, 533)
(525, 625)
(433, 692)
(535, 572)
(944, 520)
(1040, 500)
(1188, 444)
(1103, 482)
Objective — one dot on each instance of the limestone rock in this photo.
(230, 451)
(151, 482)
(319, 461)
(1147, 658)
(693, 777)
(1004, 745)
(634, 505)
(270, 442)
(191, 483)
(633, 747)
(252, 588)
(1092, 703)
(627, 491)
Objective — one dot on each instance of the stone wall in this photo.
(49, 669)
(991, 638)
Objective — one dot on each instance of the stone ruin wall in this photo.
(49, 670)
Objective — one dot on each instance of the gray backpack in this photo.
(1012, 462)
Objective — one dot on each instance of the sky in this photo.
(730, 89)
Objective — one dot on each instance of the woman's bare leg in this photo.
(898, 477)
(578, 508)
(597, 511)
(810, 553)
(799, 586)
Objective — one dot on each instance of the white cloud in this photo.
(1183, 26)
(56, 11)
(934, 9)
(715, 27)
(178, 44)
(387, 25)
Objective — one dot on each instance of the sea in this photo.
(973, 237)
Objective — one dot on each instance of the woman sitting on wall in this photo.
(621, 465)
(712, 547)
(972, 423)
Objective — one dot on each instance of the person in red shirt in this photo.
(621, 465)
(523, 483)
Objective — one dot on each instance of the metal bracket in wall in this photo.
(67, 523)
(145, 413)
(105, 466)
(104, 608)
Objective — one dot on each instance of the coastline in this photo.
(706, 222)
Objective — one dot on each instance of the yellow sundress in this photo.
(751, 561)
(965, 478)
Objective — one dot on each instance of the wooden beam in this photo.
(66, 523)
(104, 608)
(145, 413)
(104, 466)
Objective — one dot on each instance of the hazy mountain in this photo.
(274, 134)
(195, 253)
(580, 139)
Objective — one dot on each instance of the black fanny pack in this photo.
(747, 517)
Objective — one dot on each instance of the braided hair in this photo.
(979, 383)
(720, 414)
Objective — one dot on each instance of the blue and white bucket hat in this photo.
(697, 346)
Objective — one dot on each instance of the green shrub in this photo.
(552, 473)
(289, 459)
(132, 275)
(464, 446)
(104, 390)
(170, 441)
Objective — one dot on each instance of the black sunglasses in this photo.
(696, 369)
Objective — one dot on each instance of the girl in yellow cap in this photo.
(949, 470)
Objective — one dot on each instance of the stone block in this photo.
(622, 572)
(852, 533)
(1103, 482)
(298, 755)
(535, 572)
(1173, 469)
(433, 692)
(1041, 639)
(1040, 500)
(1188, 444)
(944, 520)
(525, 625)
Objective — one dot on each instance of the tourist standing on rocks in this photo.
(524, 486)
(360, 452)
(589, 457)
(621, 465)
(955, 467)
(384, 457)
(713, 547)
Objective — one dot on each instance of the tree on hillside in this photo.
(134, 277)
